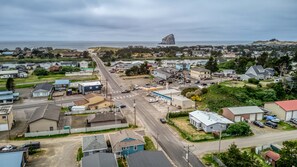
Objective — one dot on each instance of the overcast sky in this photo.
(148, 20)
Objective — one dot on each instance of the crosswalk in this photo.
(124, 97)
(115, 92)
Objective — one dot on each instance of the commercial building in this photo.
(9, 74)
(166, 95)
(238, 114)
(285, 110)
(6, 117)
(182, 102)
(87, 87)
(200, 73)
(208, 121)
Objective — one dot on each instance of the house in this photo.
(93, 144)
(6, 117)
(257, 72)
(161, 73)
(166, 95)
(43, 90)
(229, 72)
(285, 110)
(93, 101)
(22, 74)
(182, 102)
(55, 68)
(105, 118)
(148, 159)
(126, 142)
(8, 97)
(100, 160)
(200, 73)
(13, 159)
(83, 64)
(87, 87)
(73, 54)
(61, 84)
(237, 114)
(68, 64)
(272, 157)
(8, 53)
(9, 74)
(183, 66)
(208, 121)
(45, 118)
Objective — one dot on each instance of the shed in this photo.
(237, 114)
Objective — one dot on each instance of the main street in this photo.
(165, 138)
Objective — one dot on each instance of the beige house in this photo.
(93, 101)
(285, 110)
(182, 101)
(45, 118)
(200, 73)
(6, 118)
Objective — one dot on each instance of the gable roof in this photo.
(117, 142)
(12, 159)
(288, 105)
(105, 116)
(245, 110)
(200, 69)
(273, 155)
(44, 86)
(62, 82)
(94, 143)
(209, 118)
(100, 160)
(148, 159)
(49, 112)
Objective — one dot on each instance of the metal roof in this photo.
(148, 159)
(209, 118)
(44, 86)
(167, 91)
(62, 82)
(90, 83)
(288, 105)
(92, 143)
(5, 109)
(11, 159)
(9, 72)
(245, 110)
(100, 160)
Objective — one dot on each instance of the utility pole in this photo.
(106, 83)
(134, 105)
(220, 140)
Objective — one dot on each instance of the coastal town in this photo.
(128, 106)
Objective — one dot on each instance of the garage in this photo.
(252, 117)
(237, 118)
(238, 114)
(259, 116)
(294, 114)
(288, 115)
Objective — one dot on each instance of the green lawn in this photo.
(149, 144)
(285, 126)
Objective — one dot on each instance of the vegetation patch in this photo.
(79, 154)
(149, 144)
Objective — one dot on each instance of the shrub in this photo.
(186, 90)
(239, 129)
(40, 71)
(253, 81)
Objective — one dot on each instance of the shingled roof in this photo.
(49, 112)
(105, 116)
(44, 86)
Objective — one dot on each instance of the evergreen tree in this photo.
(10, 84)
(288, 154)
(212, 65)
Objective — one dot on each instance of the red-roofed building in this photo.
(285, 110)
(272, 157)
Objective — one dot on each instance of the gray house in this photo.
(257, 72)
(148, 159)
(42, 90)
(100, 160)
(93, 144)
(208, 121)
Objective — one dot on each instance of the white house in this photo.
(208, 121)
(83, 64)
(42, 90)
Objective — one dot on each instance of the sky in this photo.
(147, 20)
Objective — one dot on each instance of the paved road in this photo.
(166, 139)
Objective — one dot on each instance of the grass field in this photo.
(242, 83)
(184, 124)
(149, 144)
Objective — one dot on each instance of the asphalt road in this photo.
(165, 138)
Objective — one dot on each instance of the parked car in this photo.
(294, 120)
(259, 124)
(153, 100)
(197, 82)
(32, 145)
(204, 84)
(8, 147)
(126, 91)
(163, 120)
(271, 124)
(272, 118)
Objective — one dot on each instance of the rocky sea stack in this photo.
(168, 40)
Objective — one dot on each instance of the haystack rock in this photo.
(168, 40)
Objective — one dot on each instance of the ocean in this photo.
(83, 45)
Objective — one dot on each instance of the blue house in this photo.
(183, 66)
(8, 97)
(89, 87)
(126, 142)
(61, 84)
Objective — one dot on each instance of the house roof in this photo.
(5, 109)
(94, 143)
(273, 155)
(167, 91)
(81, 102)
(245, 110)
(148, 159)
(200, 69)
(117, 142)
(94, 83)
(62, 82)
(167, 74)
(209, 118)
(9, 72)
(11, 159)
(44, 86)
(288, 105)
(49, 111)
(5, 92)
(99, 160)
(105, 116)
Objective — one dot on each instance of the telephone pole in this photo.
(134, 105)
(106, 83)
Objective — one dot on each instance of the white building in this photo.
(83, 64)
(6, 117)
(182, 101)
(166, 95)
(208, 121)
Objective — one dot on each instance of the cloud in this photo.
(147, 20)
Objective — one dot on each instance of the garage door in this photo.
(252, 117)
(295, 114)
(237, 119)
(3, 127)
(288, 115)
(259, 117)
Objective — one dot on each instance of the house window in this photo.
(3, 117)
(51, 128)
(97, 87)
(123, 148)
(135, 148)
(91, 87)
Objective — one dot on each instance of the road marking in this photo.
(187, 161)
(166, 138)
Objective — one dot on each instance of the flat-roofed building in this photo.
(6, 117)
